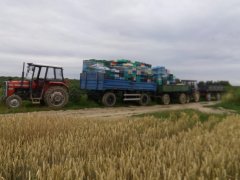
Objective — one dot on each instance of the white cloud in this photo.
(196, 39)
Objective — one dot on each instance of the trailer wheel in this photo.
(188, 99)
(14, 101)
(218, 96)
(182, 98)
(144, 100)
(196, 96)
(166, 99)
(109, 99)
(208, 97)
(56, 97)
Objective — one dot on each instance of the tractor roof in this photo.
(189, 80)
(43, 65)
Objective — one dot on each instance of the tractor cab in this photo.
(192, 83)
(44, 72)
(42, 76)
(42, 84)
(194, 89)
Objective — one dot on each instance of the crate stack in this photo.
(121, 69)
(162, 76)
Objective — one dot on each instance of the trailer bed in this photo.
(173, 88)
(97, 81)
(211, 88)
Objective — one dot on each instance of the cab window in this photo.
(50, 74)
(58, 74)
(42, 73)
(36, 71)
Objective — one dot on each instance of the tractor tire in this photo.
(166, 99)
(144, 100)
(109, 99)
(182, 98)
(188, 99)
(14, 101)
(56, 97)
(218, 97)
(196, 97)
(208, 97)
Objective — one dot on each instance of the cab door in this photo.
(38, 82)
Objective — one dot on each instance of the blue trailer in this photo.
(108, 90)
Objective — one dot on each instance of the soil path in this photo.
(136, 110)
(118, 112)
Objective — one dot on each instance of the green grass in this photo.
(176, 114)
(229, 105)
(29, 107)
(77, 100)
(231, 100)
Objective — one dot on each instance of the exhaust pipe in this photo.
(23, 72)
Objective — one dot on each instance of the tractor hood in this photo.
(18, 84)
(11, 86)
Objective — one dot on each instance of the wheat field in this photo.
(41, 146)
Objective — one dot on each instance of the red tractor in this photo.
(42, 84)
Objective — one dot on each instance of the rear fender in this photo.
(56, 84)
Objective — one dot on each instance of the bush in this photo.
(74, 94)
(232, 96)
(74, 91)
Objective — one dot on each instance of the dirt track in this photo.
(136, 110)
(118, 112)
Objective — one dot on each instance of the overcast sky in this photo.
(195, 39)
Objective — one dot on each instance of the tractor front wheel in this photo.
(188, 99)
(56, 97)
(166, 99)
(182, 98)
(14, 101)
(196, 96)
(208, 97)
(218, 97)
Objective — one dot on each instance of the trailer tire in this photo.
(208, 97)
(188, 99)
(218, 97)
(14, 101)
(109, 99)
(182, 98)
(56, 97)
(144, 100)
(166, 99)
(196, 96)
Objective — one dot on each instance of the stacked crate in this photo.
(120, 69)
(162, 76)
(123, 69)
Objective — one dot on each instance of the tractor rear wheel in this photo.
(56, 97)
(196, 96)
(109, 99)
(188, 99)
(208, 97)
(218, 96)
(144, 100)
(182, 98)
(166, 99)
(14, 101)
